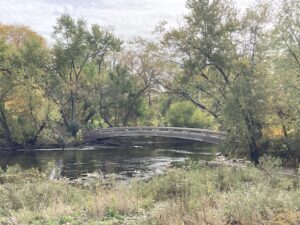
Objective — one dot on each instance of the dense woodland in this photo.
(221, 69)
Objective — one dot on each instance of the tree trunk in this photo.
(6, 131)
(149, 100)
(254, 134)
(284, 130)
(254, 151)
(106, 120)
(33, 140)
(72, 96)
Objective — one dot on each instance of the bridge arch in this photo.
(194, 134)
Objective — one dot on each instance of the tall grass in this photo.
(225, 195)
(194, 194)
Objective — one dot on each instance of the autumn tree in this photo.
(285, 63)
(24, 107)
(222, 71)
(75, 47)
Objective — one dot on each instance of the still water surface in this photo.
(140, 158)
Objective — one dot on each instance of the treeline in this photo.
(220, 69)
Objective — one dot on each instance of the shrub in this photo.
(185, 114)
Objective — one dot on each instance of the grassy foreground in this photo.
(194, 194)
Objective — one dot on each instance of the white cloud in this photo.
(128, 17)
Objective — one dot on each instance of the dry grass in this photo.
(234, 196)
(119, 200)
(193, 195)
(288, 218)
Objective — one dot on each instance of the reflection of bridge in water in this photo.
(194, 134)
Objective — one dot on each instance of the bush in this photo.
(270, 164)
(186, 114)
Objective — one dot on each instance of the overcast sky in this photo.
(128, 18)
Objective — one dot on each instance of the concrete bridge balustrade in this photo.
(194, 134)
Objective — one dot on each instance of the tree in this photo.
(285, 63)
(123, 97)
(140, 59)
(75, 47)
(6, 82)
(123, 94)
(221, 57)
(24, 57)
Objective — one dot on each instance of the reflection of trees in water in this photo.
(26, 160)
(143, 153)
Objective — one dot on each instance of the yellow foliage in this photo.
(16, 104)
(34, 103)
(17, 35)
(272, 132)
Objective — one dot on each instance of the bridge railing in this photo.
(103, 132)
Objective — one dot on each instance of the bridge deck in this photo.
(195, 134)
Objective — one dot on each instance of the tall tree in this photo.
(24, 57)
(222, 67)
(75, 47)
(286, 66)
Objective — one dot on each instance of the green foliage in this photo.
(186, 114)
(222, 67)
(25, 108)
(237, 72)
(284, 108)
(77, 48)
(269, 164)
(180, 114)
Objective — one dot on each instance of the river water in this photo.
(140, 158)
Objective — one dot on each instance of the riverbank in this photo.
(192, 194)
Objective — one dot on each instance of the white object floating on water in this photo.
(52, 174)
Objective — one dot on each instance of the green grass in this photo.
(193, 194)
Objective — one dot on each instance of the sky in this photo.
(127, 18)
